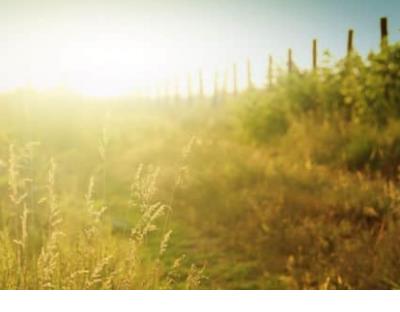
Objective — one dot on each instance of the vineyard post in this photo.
(189, 88)
(315, 55)
(384, 32)
(290, 61)
(215, 87)
(225, 84)
(234, 77)
(249, 76)
(270, 71)
(201, 84)
(350, 38)
(384, 44)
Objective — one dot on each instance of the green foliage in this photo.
(360, 95)
(264, 119)
(383, 83)
(362, 91)
(359, 151)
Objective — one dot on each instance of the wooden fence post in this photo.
(384, 44)
(189, 87)
(315, 55)
(384, 32)
(235, 82)
(249, 76)
(290, 61)
(216, 83)
(225, 83)
(270, 71)
(215, 86)
(201, 84)
(350, 37)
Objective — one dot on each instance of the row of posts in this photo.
(270, 77)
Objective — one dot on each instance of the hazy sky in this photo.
(115, 44)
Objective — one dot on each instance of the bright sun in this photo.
(112, 62)
(108, 64)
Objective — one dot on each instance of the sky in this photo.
(116, 46)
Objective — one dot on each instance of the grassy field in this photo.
(294, 187)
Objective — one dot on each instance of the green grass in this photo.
(295, 187)
(254, 216)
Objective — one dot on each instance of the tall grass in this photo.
(40, 251)
(294, 186)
